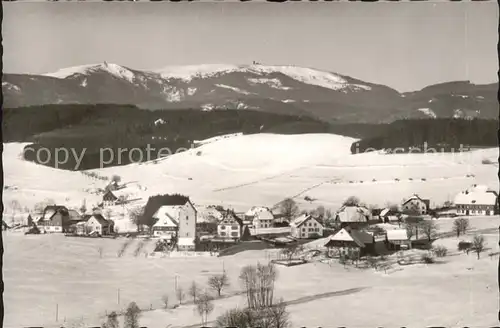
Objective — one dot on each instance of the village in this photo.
(179, 226)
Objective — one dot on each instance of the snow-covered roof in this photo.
(257, 209)
(384, 212)
(477, 195)
(207, 214)
(397, 234)
(353, 214)
(361, 238)
(167, 215)
(298, 221)
(415, 197)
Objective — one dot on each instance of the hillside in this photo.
(88, 129)
(438, 134)
(289, 90)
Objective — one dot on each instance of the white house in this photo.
(182, 211)
(305, 226)
(353, 215)
(261, 217)
(166, 225)
(230, 227)
(97, 223)
(477, 200)
(416, 205)
(398, 238)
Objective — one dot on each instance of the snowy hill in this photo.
(261, 170)
(286, 89)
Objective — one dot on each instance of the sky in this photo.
(406, 46)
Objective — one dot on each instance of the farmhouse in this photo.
(120, 195)
(388, 215)
(166, 225)
(96, 222)
(398, 239)
(231, 227)
(305, 226)
(56, 218)
(261, 217)
(416, 205)
(353, 216)
(349, 240)
(478, 200)
(182, 211)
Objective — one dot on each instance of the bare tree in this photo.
(410, 230)
(218, 282)
(111, 321)
(430, 229)
(478, 244)
(320, 212)
(291, 250)
(351, 201)
(180, 294)
(116, 179)
(278, 315)
(204, 306)
(460, 226)
(164, 299)
(15, 207)
(193, 290)
(135, 215)
(289, 209)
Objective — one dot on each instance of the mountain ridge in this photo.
(289, 89)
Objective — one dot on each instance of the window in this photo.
(222, 227)
(234, 234)
(303, 229)
(223, 233)
(234, 227)
(315, 224)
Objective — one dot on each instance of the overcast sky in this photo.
(403, 45)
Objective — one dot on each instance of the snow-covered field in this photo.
(261, 170)
(48, 272)
(42, 272)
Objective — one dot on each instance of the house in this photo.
(477, 200)
(166, 225)
(397, 239)
(349, 240)
(305, 226)
(230, 227)
(121, 195)
(387, 215)
(353, 216)
(261, 217)
(96, 222)
(55, 218)
(416, 205)
(182, 210)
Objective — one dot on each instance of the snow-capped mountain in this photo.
(279, 89)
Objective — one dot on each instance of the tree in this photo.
(116, 179)
(278, 315)
(460, 226)
(15, 207)
(351, 201)
(218, 282)
(320, 212)
(180, 294)
(289, 209)
(478, 244)
(193, 291)
(204, 306)
(292, 249)
(429, 228)
(164, 299)
(111, 321)
(135, 215)
(241, 318)
(83, 208)
(410, 230)
(131, 319)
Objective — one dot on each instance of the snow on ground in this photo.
(261, 170)
(233, 88)
(45, 271)
(428, 112)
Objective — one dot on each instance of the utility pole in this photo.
(118, 296)
(57, 312)
(176, 282)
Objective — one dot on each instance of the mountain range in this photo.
(289, 90)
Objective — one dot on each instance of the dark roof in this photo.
(232, 215)
(109, 193)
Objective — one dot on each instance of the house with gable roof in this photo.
(57, 218)
(348, 240)
(97, 223)
(305, 226)
(172, 209)
(354, 216)
(260, 216)
(416, 205)
(477, 200)
(232, 227)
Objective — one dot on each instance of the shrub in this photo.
(428, 259)
(440, 251)
(486, 161)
